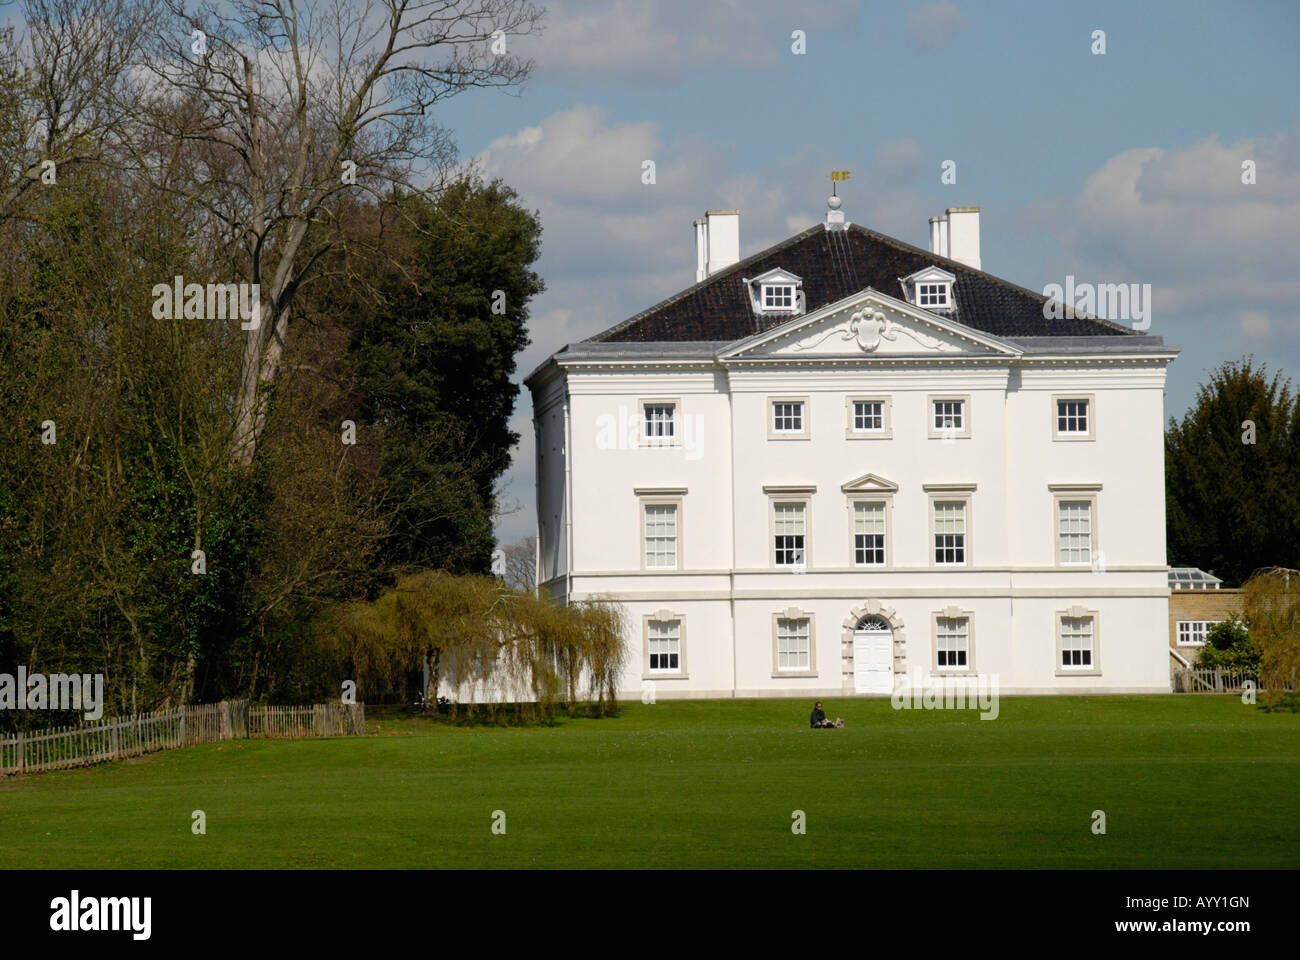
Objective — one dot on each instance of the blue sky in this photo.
(1122, 167)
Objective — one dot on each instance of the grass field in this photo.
(1185, 781)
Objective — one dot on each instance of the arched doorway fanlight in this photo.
(874, 624)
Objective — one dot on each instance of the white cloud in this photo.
(1209, 171)
(1254, 323)
(667, 38)
(612, 246)
(1181, 220)
(583, 173)
(576, 156)
(933, 25)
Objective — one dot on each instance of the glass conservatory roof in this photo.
(1191, 578)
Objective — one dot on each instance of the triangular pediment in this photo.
(931, 275)
(867, 324)
(776, 275)
(870, 483)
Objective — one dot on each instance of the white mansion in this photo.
(846, 459)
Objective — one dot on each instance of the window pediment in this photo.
(870, 483)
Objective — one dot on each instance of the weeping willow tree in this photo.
(542, 631)
(379, 643)
(490, 643)
(604, 654)
(1271, 607)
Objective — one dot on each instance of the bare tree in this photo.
(521, 565)
(65, 81)
(269, 114)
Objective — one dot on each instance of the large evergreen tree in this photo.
(1230, 475)
(434, 361)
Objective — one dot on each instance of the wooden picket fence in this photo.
(319, 720)
(1216, 680)
(114, 739)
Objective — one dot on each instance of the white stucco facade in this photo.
(725, 617)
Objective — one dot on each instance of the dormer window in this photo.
(776, 293)
(778, 296)
(930, 289)
(932, 294)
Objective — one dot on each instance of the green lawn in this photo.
(1185, 781)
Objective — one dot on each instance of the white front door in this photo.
(873, 656)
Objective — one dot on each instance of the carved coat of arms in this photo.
(869, 326)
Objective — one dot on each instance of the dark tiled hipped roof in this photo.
(835, 265)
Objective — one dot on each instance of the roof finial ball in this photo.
(834, 202)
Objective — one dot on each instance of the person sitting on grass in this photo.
(818, 718)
